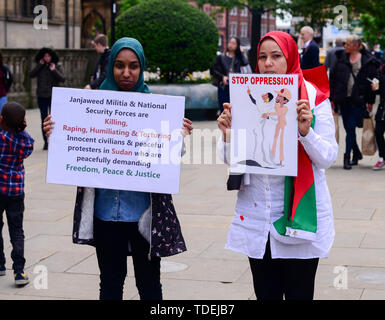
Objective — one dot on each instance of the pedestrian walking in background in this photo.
(5, 82)
(330, 62)
(377, 52)
(310, 50)
(101, 47)
(49, 74)
(350, 88)
(284, 254)
(15, 145)
(229, 62)
(379, 129)
(331, 58)
(122, 223)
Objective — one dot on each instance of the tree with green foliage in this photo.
(370, 13)
(127, 4)
(373, 29)
(177, 38)
(257, 9)
(373, 22)
(315, 13)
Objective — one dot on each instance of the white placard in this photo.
(115, 140)
(265, 130)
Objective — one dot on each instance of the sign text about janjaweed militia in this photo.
(116, 140)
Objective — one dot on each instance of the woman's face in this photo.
(47, 57)
(271, 58)
(232, 45)
(350, 46)
(126, 69)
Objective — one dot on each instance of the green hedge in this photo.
(177, 38)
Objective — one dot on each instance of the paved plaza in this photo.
(354, 270)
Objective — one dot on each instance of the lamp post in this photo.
(67, 41)
(113, 16)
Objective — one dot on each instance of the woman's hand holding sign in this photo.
(187, 127)
(224, 122)
(48, 125)
(305, 117)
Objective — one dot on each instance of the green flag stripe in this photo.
(305, 217)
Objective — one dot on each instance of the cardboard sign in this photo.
(264, 126)
(115, 140)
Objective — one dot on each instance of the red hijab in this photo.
(290, 51)
(305, 177)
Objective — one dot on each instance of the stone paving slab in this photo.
(205, 208)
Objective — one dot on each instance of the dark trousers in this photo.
(111, 241)
(223, 96)
(275, 278)
(45, 107)
(379, 131)
(14, 209)
(351, 115)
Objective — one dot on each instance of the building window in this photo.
(264, 15)
(233, 11)
(27, 7)
(263, 29)
(233, 29)
(219, 20)
(244, 12)
(207, 9)
(244, 30)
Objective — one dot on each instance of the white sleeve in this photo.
(320, 144)
(223, 149)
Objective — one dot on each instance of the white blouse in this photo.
(261, 198)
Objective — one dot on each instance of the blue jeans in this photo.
(351, 115)
(112, 241)
(223, 95)
(14, 209)
(3, 101)
(44, 106)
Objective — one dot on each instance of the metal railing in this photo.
(78, 65)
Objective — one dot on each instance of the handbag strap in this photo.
(351, 71)
(231, 69)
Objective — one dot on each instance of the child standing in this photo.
(15, 145)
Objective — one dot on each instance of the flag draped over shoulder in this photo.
(300, 211)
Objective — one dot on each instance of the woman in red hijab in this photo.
(285, 224)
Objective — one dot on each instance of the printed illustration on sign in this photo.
(264, 106)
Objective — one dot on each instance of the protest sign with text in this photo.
(264, 126)
(116, 140)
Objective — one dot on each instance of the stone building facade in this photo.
(236, 23)
(69, 24)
